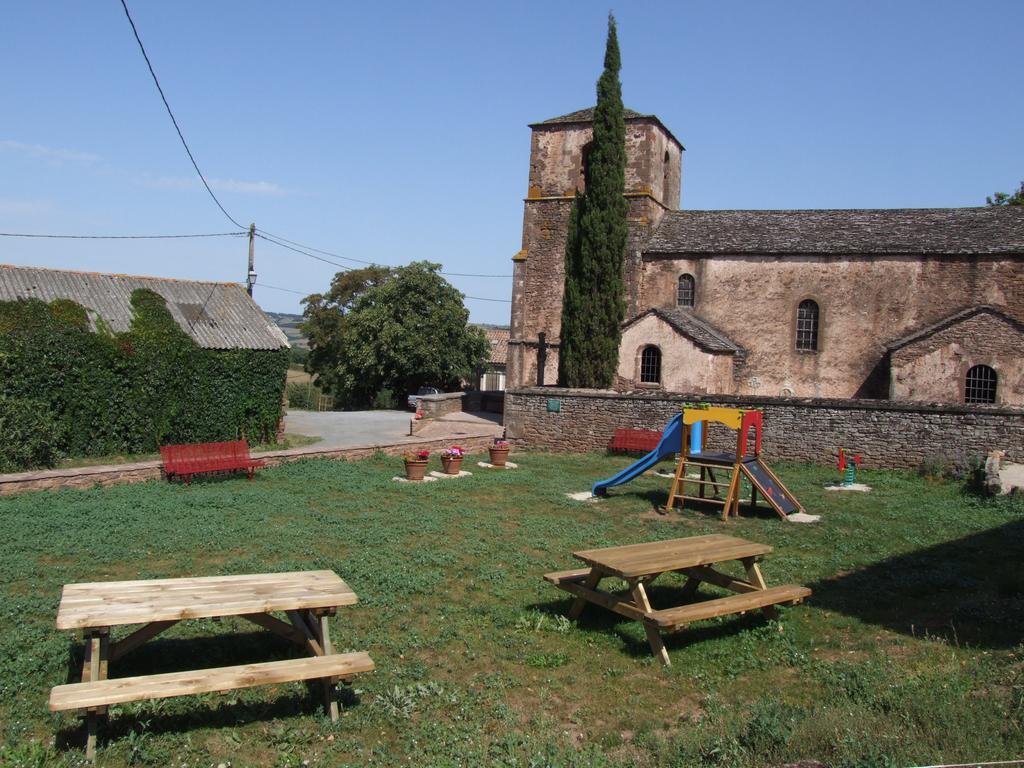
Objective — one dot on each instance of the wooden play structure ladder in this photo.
(732, 466)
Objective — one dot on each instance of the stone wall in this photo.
(888, 434)
(144, 471)
(865, 302)
(435, 406)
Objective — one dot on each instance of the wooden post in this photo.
(636, 588)
(330, 700)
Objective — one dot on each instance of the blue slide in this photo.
(671, 442)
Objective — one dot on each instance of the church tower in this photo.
(558, 157)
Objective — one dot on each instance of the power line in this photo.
(361, 261)
(286, 290)
(121, 237)
(181, 136)
(304, 253)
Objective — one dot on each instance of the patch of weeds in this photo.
(399, 703)
(547, 660)
(769, 728)
(539, 621)
(28, 754)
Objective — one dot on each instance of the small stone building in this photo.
(909, 304)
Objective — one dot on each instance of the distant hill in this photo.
(290, 325)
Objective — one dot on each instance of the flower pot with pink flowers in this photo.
(499, 453)
(451, 460)
(416, 465)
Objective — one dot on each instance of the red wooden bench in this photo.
(199, 458)
(630, 440)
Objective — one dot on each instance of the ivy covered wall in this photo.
(98, 392)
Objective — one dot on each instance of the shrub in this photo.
(31, 435)
(130, 392)
(302, 395)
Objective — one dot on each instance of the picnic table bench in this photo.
(634, 440)
(307, 598)
(640, 564)
(198, 458)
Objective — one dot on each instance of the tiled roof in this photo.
(951, 320)
(995, 230)
(215, 315)
(498, 337)
(587, 116)
(700, 332)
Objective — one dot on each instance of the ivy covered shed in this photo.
(105, 363)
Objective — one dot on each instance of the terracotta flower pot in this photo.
(499, 456)
(415, 470)
(451, 465)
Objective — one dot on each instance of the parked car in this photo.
(420, 393)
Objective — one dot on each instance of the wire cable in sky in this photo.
(277, 288)
(304, 253)
(122, 237)
(361, 261)
(181, 136)
(348, 269)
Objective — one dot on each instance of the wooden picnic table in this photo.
(694, 557)
(307, 598)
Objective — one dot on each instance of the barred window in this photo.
(807, 326)
(650, 366)
(685, 291)
(980, 386)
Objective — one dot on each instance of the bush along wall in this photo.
(99, 393)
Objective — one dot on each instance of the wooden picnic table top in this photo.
(113, 603)
(649, 558)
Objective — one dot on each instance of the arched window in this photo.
(685, 291)
(650, 366)
(980, 386)
(807, 326)
(581, 185)
(666, 168)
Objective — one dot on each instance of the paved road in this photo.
(345, 428)
(340, 429)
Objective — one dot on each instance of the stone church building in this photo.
(907, 304)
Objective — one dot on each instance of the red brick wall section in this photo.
(888, 434)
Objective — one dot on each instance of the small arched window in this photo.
(666, 170)
(686, 291)
(581, 184)
(807, 326)
(980, 386)
(650, 366)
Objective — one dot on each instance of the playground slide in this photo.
(770, 487)
(671, 442)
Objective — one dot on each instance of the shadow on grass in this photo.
(174, 655)
(600, 620)
(968, 592)
(658, 499)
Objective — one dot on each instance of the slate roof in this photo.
(587, 116)
(498, 337)
(951, 320)
(700, 332)
(215, 315)
(995, 230)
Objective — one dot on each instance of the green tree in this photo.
(593, 305)
(389, 331)
(1002, 198)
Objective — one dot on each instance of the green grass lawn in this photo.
(909, 651)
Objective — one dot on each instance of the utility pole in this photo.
(250, 279)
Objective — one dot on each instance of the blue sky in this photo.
(392, 132)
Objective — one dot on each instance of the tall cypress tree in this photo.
(594, 305)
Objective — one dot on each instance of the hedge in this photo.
(134, 391)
